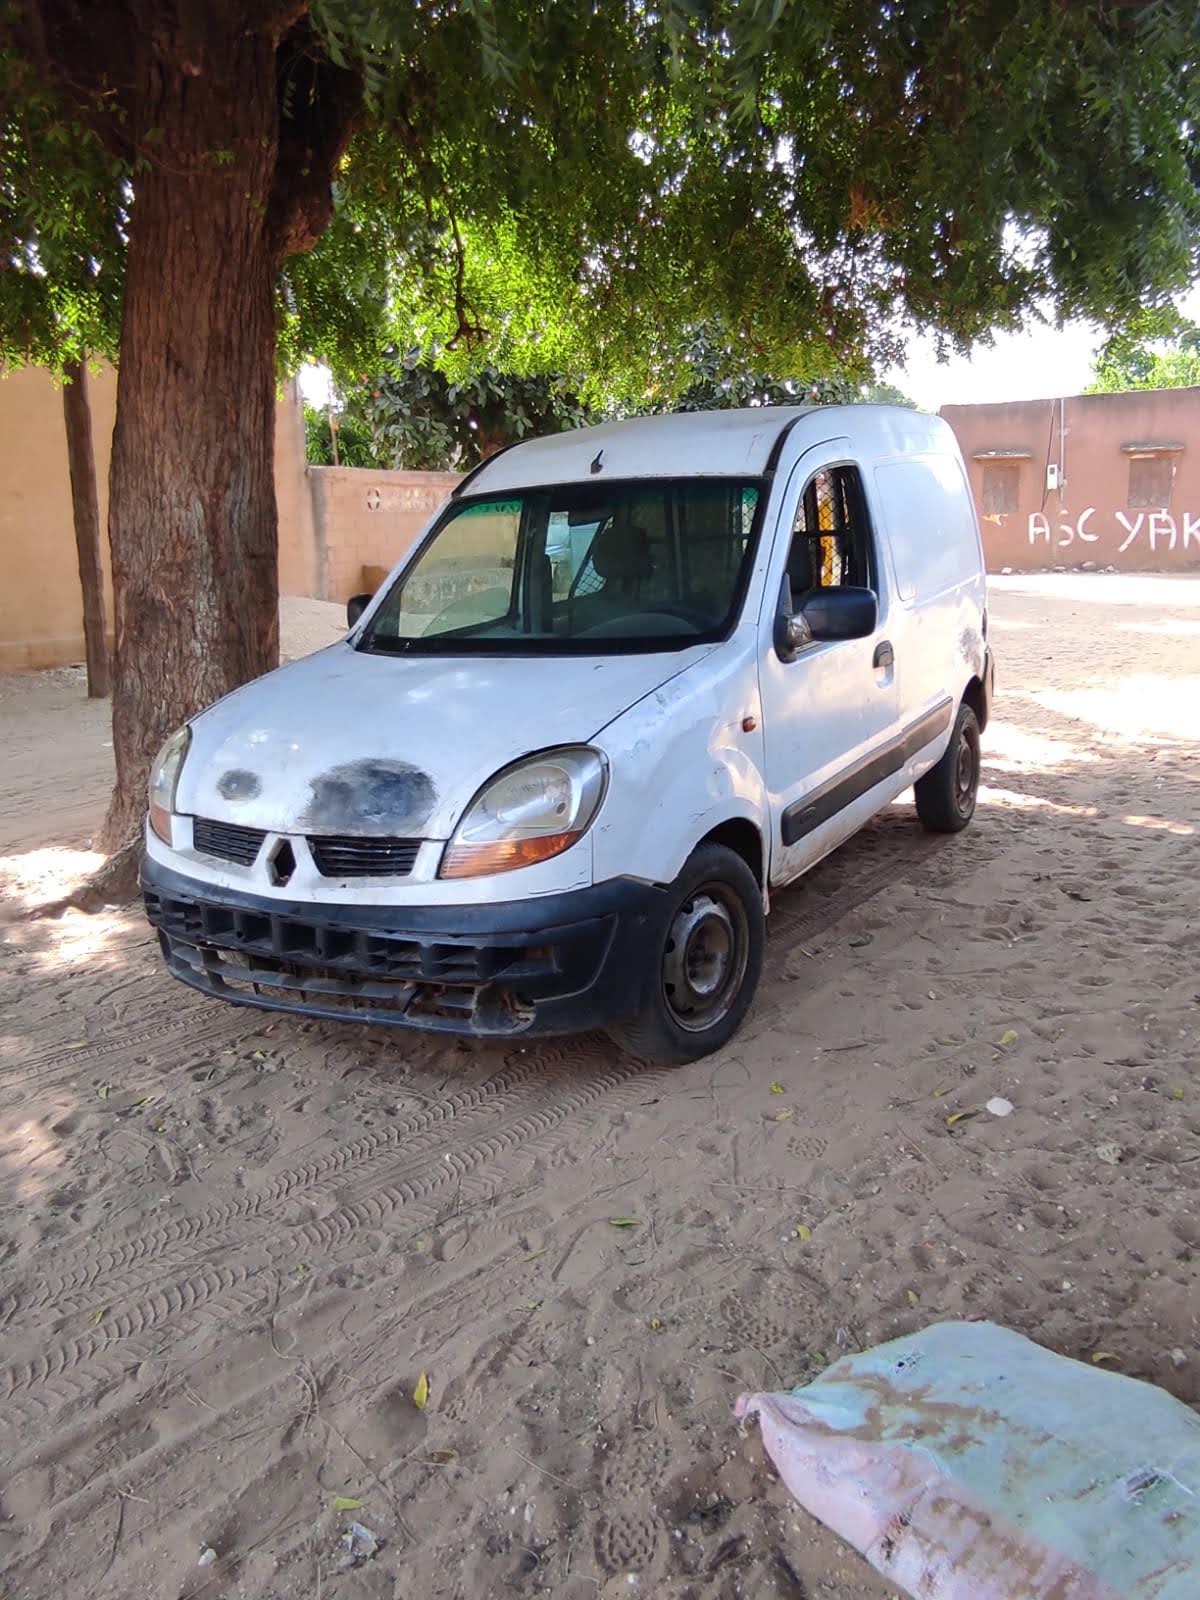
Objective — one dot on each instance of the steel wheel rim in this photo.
(705, 958)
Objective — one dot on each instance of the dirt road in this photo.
(230, 1245)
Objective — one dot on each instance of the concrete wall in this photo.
(364, 521)
(1128, 480)
(298, 565)
(41, 611)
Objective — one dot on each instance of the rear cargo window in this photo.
(927, 510)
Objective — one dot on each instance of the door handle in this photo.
(885, 656)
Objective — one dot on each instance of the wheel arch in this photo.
(744, 838)
(976, 696)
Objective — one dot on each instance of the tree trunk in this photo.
(85, 505)
(231, 118)
(192, 500)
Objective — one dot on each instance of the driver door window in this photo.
(831, 535)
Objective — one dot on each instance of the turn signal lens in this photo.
(476, 860)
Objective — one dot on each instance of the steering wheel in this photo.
(692, 614)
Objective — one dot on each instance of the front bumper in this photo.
(560, 963)
(989, 685)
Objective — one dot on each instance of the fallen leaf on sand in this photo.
(1099, 1357)
(776, 1088)
(346, 1502)
(803, 1231)
(623, 1222)
(421, 1393)
(956, 1117)
(1009, 1036)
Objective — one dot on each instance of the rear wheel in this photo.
(946, 795)
(706, 964)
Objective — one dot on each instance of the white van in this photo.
(630, 680)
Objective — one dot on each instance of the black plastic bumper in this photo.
(558, 964)
(989, 685)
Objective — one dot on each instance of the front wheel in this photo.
(705, 965)
(947, 793)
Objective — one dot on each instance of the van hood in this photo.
(349, 742)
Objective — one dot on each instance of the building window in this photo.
(1001, 487)
(1151, 478)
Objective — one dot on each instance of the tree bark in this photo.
(85, 505)
(192, 499)
(233, 120)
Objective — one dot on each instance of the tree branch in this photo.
(319, 104)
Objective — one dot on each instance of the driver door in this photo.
(830, 714)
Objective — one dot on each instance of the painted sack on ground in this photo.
(967, 1463)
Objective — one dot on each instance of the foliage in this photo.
(355, 447)
(63, 219)
(567, 188)
(1159, 349)
(412, 414)
(415, 416)
(719, 377)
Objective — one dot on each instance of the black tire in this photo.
(699, 987)
(947, 793)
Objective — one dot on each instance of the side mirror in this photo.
(826, 615)
(841, 613)
(356, 605)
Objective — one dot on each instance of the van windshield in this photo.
(578, 568)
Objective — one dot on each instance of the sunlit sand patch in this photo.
(989, 796)
(39, 877)
(1136, 709)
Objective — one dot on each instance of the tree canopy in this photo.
(207, 190)
(565, 188)
(411, 414)
(1159, 350)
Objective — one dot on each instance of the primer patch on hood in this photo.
(371, 798)
(238, 784)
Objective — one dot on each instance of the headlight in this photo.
(531, 811)
(164, 775)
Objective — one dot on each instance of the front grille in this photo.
(227, 840)
(286, 944)
(338, 857)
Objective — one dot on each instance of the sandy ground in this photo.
(229, 1245)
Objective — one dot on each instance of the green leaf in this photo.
(346, 1502)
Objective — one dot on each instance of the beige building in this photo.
(339, 528)
(1110, 480)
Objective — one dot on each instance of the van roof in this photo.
(727, 444)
